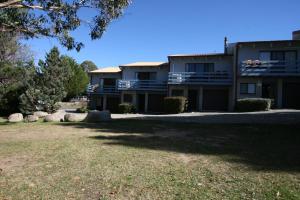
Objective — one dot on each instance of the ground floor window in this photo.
(128, 98)
(176, 93)
(247, 88)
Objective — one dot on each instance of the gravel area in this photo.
(269, 117)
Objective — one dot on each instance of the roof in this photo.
(268, 41)
(200, 55)
(145, 64)
(106, 70)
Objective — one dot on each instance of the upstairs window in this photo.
(278, 55)
(199, 67)
(146, 75)
(247, 88)
(109, 82)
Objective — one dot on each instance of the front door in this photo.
(141, 103)
(192, 100)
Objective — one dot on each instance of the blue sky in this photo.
(152, 29)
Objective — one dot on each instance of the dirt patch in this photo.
(14, 162)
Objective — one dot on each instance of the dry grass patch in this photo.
(129, 159)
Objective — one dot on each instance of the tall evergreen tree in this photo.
(16, 68)
(53, 77)
(77, 79)
(47, 89)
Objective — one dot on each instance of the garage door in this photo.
(215, 99)
(291, 95)
(156, 102)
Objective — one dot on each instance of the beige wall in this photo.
(129, 73)
(95, 78)
(177, 64)
(256, 80)
(252, 51)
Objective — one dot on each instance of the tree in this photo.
(78, 79)
(88, 66)
(57, 18)
(47, 88)
(14, 72)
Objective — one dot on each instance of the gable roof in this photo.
(269, 41)
(106, 70)
(145, 64)
(199, 55)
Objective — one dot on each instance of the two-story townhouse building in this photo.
(144, 84)
(211, 82)
(206, 80)
(269, 69)
(103, 89)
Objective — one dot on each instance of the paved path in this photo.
(269, 117)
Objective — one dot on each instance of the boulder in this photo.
(56, 117)
(16, 117)
(73, 117)
(40, 114)
(98, 116)
(31, 118)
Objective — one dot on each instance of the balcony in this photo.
(269, 68)
(106, 89)
(152, 85)
(204, 78)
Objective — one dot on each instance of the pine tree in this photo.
(53, 76)
(47, 87)
(77, 79)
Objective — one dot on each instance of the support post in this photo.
(146, 102)
(200, 99)
(279, 93)
(104, 102)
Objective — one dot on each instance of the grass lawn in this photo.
(131, 159)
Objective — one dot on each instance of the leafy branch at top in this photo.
(57, 18)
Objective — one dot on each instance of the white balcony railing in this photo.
(207, 78)
(142, 85)
(106, 89)
(270, 68)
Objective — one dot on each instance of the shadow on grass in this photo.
(263, 147)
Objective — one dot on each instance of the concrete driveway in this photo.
(268, 117)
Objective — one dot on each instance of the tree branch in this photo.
(9, 3)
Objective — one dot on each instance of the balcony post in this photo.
(146, 102)
(279, 93)
(200, 99)
(104, 102)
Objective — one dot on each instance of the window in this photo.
(290, 56)
(277, 55)
(199, 67)
(247, 88)
(177, 93)
(146, 75)
(109, 82)
(265, 55)
(127, 98)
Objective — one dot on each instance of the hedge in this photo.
(253, 104)
(126, 108)
(174, 105)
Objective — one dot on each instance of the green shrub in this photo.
(253, 104)
(174, 105)
(126, 108)
(82, 110)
